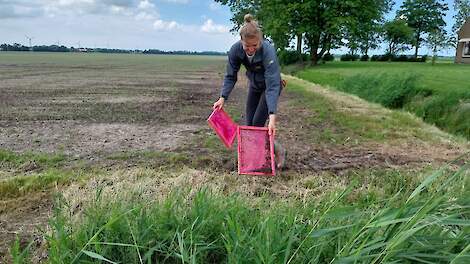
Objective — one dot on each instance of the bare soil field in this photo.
(112, 112)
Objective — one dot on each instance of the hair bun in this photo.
(248, 18)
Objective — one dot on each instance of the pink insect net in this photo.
(223, 125)
(255, 151)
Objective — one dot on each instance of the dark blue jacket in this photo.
(264, 72)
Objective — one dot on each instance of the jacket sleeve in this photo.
(230, 78)
(272, 76)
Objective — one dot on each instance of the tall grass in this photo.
(430, 225)
(449, 110)
(392, 91)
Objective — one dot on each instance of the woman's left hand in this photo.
(272, 124)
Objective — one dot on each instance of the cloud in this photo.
(210, 27)
(97, 7)
(161, 25)
(146, 16)
(140, 9)
(146, 11)
(121, 3)
(177, 1)
(94, 23)
(214, 6)
(145, 4)
(19, 9)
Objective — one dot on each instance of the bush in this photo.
(365, 58)
(328, 57)
(287, 57)
(349, 57)
(387, 57)
(400, 58)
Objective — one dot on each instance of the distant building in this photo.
(463, 46)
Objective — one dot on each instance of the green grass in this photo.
(439, 94)
(11, 159)
(343, 127)
(427, 223)
(24, 184)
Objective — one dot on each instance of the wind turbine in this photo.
(29, 38)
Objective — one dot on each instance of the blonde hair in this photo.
(250, 28)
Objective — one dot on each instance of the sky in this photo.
(196, 25)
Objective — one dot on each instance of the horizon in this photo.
(175, 52)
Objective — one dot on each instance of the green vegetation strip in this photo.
(13, 160)
(429, 224)
(340, 118)
(438, 94)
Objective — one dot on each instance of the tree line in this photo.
(358, 25)
(57, 48)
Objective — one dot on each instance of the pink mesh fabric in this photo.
(255, 151)
(223, 126)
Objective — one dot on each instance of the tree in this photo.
(363, 27)
(320, 23)
(275, 18)
(239, 9)
(398, 34)
(280, 19)
(296, 26)
(438, 40)
(424, 16)
(323, 20)
(462, 8)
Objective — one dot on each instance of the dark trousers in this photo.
(257, 114)
(256, 108)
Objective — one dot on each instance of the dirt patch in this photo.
(79, 111)
(117, 99)
(84, 139)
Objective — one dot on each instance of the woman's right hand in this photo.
(219, 104)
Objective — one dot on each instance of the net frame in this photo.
(241, 170)
(218, 121)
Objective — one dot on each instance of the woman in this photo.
(264, 75)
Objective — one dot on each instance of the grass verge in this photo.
(429, 224)
(413, 87)
(344, 118)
